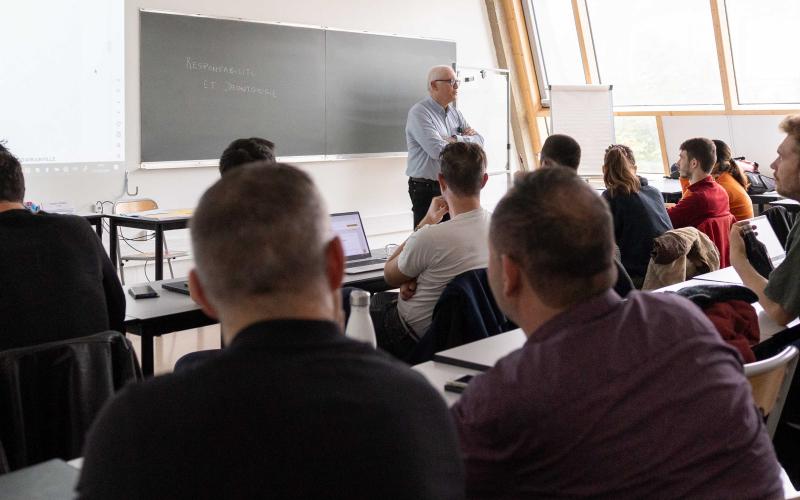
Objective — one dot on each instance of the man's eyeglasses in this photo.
(453, 83)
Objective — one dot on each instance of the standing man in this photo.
(432, 124)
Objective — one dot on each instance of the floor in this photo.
(168, 348)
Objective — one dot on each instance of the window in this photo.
(763, 42)
(556, 42)
(640, 133)
(656, 53)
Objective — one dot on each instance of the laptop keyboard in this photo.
(362, 263)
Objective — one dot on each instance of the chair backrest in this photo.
(465, 312)
(770, 381)
(718, 230)
(50, 394)
(130, 206)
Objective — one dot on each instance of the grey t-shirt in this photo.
(783, 286)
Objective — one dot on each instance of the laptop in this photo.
(348, 227)
(766, 235)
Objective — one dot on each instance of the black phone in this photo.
(142, 292)
(458, 385)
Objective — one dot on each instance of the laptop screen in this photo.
(350, 230)
(766, 235)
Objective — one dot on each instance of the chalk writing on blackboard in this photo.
(193, 65)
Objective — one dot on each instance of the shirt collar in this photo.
(285, 332)
(438, 106)
(708, 180)
(581, 314)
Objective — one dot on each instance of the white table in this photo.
(439, 374)
(483, 354)
(725, 275)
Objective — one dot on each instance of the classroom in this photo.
(561, 266)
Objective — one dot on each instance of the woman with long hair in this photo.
(731, 177)
(638, 210)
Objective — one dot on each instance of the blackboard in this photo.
(312, 91)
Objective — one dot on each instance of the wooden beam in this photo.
(510, 37)
(726, 76)
(584, 38)
(663, 143)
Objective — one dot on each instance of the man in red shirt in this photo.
(705, 198)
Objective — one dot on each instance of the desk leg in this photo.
(159, 253)
(147, 355)
(112, 242)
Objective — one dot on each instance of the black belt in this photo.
(420, 180)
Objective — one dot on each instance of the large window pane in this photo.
(557, 43)
(640, 133)
(764, 44)
(656, 52)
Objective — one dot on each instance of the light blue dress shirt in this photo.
(427, 127)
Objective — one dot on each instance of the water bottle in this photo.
(359, 326)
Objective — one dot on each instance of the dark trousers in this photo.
(390, 333)
(421, 192)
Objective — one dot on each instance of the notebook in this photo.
(348, 227)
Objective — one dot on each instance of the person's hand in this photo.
(449, 139)
(469, 131)
(436, 211)
(736, 239)
(408, 289)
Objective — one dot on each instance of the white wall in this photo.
(754, 136)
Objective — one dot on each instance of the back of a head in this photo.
(260, 231)
(725, 163)
(560, 232)
(563, 150)
(12, 182)
(463, 166)
(618, 173)
(244, 151)
(702, 150)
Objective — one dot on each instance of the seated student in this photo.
(291, 408)
(705, 203)
(608, 398)
(730, 176)
(244, 151)
(560, 150)
(780, 294)
(637, 208)
(705, 199)
(436, 253)
(56, 281)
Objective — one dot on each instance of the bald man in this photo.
(432, 124)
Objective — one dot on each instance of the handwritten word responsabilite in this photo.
(192, 65)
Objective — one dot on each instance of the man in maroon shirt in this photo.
(607, 398)
(705, 199)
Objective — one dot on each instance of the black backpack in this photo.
(759, 184)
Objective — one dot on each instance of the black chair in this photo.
(465, 312)
(780, 221)
(50, 394)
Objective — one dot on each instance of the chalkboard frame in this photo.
(213, 162)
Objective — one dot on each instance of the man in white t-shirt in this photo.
(436, 253)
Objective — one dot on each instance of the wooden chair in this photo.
(770, 380)
(141, 205)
